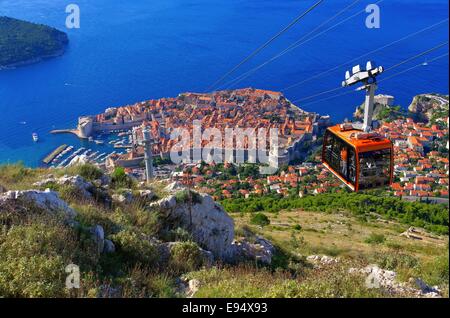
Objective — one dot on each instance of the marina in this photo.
(51, 157)
(94, 150)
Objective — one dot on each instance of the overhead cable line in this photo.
(291, 47)
(390, 68)
(267, 43)
(364, 55)
(416, 56)
(413, 67)
(381, 80)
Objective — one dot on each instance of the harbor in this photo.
(93, 150)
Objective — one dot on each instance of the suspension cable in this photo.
(289, 48)
(390, 68)
(267, 43)
(364, 55)
(381, 80)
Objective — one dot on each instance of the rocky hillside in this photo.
(133, 240)
(429, 107)
(116, 231)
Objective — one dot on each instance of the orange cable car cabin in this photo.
(361, 160)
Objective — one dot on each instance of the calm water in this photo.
(128, 51)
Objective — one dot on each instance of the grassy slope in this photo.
(297, 233)
(340, 235)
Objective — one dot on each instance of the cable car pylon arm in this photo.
(368, 77)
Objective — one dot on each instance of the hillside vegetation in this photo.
(22, 42)
(433, 217)
(147, 253)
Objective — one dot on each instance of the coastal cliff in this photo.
(429, 107)
(24, 42)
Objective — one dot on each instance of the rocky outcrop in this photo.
(213, 229)
(188, 287)
(83, 186)
(47, 201)
(210, 226)
(98, 236)
(322, 260)
(146, 195)
(424, 105)
(260, 250)
(125, 197)
(174, 187)
(381, 278)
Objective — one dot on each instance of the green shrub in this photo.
(180, 234)
(185, 195)
(260, 219)
(186, 257)
(394, 261)
(375, 239)
(436, 271)
(33, 259)
(141, 282)
(119, 179)
(136, 248)
(89, 172)
(249, 282)
(433, 217)
(297, 227)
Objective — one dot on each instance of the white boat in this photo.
(35, 137)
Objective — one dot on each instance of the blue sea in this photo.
(133, 50)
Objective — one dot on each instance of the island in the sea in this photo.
(24, 42)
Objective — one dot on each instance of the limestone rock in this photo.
(193, 287)
(47, 200)
(83, 186)
(174, 187)
(109, 247)
(146, 194)
(212, 228)
(166, 203)
(98, 235)
(319, 260)
(124, 197)
(261, 250)
(380, 278)
(79, 183)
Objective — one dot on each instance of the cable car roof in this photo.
(361, 145)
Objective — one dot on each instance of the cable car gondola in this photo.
(360, 158)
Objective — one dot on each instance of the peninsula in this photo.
(24, 42)
(244, 108)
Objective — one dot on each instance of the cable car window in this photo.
(375, 169)
(340, 156)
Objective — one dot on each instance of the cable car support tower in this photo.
(368, 78)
